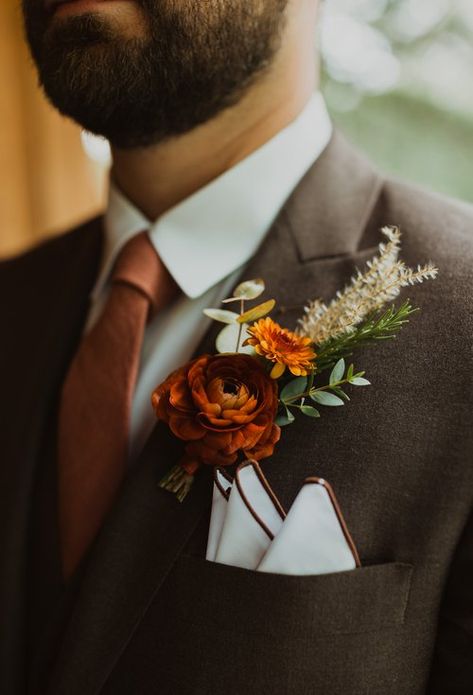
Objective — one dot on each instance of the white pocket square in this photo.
(249, 527)
(253, 518)
(221, 492)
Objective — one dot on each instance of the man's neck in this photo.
(157, 178)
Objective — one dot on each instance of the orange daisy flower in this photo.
(283, 347)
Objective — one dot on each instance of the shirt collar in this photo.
(219, 228)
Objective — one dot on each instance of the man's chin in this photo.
(172, 76)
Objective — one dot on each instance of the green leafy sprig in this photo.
(379, 327)
(298, 391)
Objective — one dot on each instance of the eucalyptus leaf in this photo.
(227, 340)
(250, 289)
(325, 398)
(350, 371)
(359, 381)
(222, 315)
(310, 411)
(340, 392)
(257, 312)
(338, 371)
(294, 388)
(286, 418)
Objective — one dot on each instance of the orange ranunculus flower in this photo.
(220, 405)
(283, 347)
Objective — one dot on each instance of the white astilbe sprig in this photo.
(367, 292)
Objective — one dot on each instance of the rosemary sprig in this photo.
(374, 328)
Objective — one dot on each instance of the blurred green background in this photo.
(396, 75)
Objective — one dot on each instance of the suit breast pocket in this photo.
(213, 629)
(231, 599)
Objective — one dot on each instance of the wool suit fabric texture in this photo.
(146, 613)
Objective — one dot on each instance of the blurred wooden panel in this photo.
(47, 183)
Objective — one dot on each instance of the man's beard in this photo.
(195, 59)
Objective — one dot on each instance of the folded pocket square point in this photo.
(250, 529)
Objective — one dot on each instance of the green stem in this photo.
(308, 393)
(242, 311)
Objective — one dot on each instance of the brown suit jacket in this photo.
(147, 614)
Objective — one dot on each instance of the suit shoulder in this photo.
(436, 229)
(434, 226)
(53, 251)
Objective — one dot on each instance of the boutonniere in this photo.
(231, 405)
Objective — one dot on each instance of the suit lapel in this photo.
(309, 252)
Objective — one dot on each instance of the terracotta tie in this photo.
(96, 399)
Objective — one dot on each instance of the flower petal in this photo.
(278, 370)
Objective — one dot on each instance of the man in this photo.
(224, 167)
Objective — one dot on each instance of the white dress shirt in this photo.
(205, 242)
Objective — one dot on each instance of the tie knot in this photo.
(139, 265)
